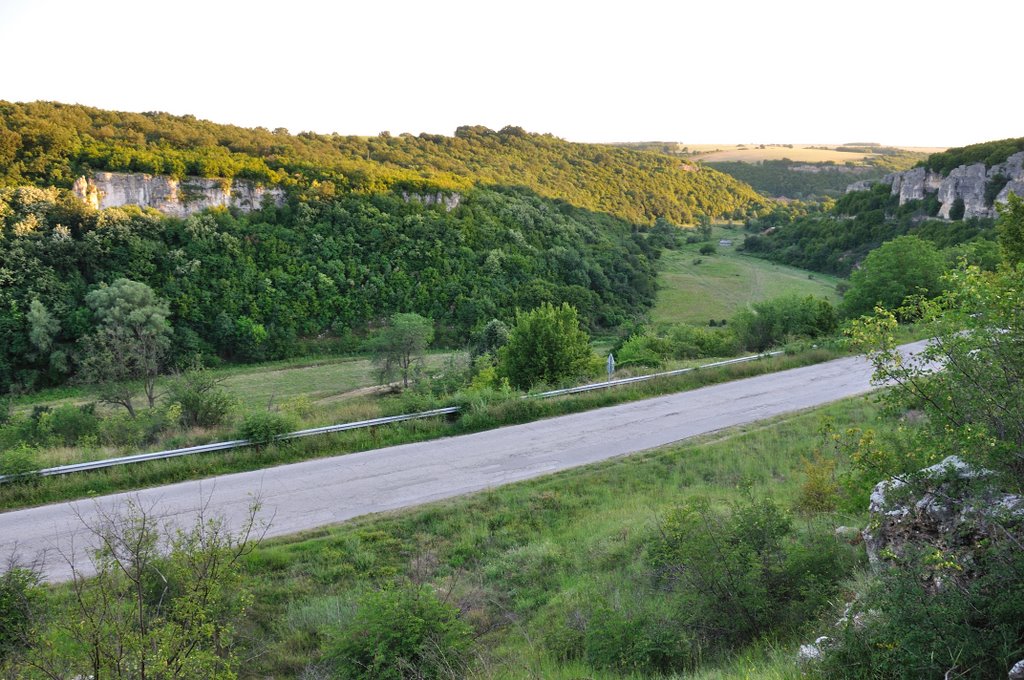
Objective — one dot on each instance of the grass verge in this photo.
(478, 416)
(516, 561)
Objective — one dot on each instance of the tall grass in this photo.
(515, 559)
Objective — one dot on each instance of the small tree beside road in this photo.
(546, 345)
(398, 347)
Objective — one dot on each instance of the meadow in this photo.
(697, 288)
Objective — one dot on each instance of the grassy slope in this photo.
(725, 282)
(507, 555)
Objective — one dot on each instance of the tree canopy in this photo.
(46, 143)
(546, 345)
(250, 286)
(398, 347)
(900, 268)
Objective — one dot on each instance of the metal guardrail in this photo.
(341, 427)
(641, 378)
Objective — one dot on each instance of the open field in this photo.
(725, 282)
(776, 153)
(319, 379)
(750, 153)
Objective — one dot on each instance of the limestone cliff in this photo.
(450, 201)
(178, 198)
(967, 182)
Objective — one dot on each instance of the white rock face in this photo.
(449, 201)
(967, 182)
(173, 197)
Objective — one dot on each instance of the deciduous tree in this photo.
(398, 347)
(546, 345)
(129, 344)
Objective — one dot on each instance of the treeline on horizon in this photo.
(249, 287)
(50, 144)
(989, 153)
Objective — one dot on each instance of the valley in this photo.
(170, 281)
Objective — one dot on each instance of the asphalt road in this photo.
(330, 490)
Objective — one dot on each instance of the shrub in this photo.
(746, 572)
(121, 430)
(771, 322)
(69, 423)
(400, 632)
(708, 249)
(204, 403)
(19, 594)
(637, 638)
(265, 426)
(974, 630)
(643, 350)
(18, 460)
(820, 489)
(546, 345)
(694, 342)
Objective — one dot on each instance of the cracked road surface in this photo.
(325, 491)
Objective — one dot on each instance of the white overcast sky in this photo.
(912, 72)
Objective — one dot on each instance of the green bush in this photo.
(681, 341)
(122, 431)
(694, 342)
(69, 423)
(744, 573)
(19, 595)
(643, 350)
(546, 346)
(18, 460)
(973, 629)
(204, 403)
(401, 632)
(708, 249)
(771, 322)
(265, 426)
(640, 637)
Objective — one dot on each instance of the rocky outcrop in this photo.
(860, 185)
(178, 198)
(449, 201)
(948, 507)
(947, 512)
(968, 183)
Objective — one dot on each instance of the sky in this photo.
(916, 73)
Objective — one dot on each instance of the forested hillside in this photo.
(45, 143)
(835, 239)
(539, 220)
(780, 178)
(248, 287)
(989, 153)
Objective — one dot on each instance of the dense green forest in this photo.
(45, 143)
(778, 178)
(834, 238)
(249, 287)
(989, 153)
